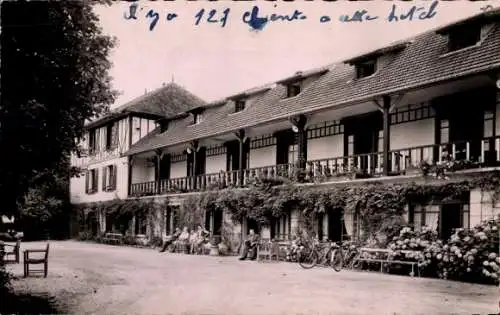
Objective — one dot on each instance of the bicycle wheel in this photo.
(338, 260)
(307, 258)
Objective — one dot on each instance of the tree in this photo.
(55, 75)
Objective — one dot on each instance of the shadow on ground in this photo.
(23, 303)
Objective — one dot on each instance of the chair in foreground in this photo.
(36, 261)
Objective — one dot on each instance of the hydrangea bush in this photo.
(469, 255)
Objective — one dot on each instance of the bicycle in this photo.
(308, 257)
(344, 255)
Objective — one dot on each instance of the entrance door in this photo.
(451, 218)
(362, 137)
(464, 118)
(335, 226)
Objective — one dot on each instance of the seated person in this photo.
(171, 239)
(183, 238)
(250, 245)
(202, 238)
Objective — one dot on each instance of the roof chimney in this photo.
(145, 91)
(163, 84)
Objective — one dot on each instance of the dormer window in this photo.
(239, 105)
(463, 37)
(366, 68)
(163, 126)
(293, 89)
(198, 118)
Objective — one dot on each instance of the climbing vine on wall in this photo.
(378, 205)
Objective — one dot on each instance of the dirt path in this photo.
(89, 278)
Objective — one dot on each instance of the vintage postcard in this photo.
(250, 157)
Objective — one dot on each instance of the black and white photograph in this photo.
(250, 157)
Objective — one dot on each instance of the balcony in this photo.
(459, 155)
(89, 157)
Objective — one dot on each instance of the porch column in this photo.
(129, 179)
(300, 123)
(194, 149)
(159, 155)
(386, 105)
(240, 135)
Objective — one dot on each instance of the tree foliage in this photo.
(54, 76)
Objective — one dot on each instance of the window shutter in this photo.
(95, 184)
(114, 176)
(97, 139)
(114, 136)
(104, 178)
(87, 178)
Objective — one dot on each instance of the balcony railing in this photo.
(88, 157)
(483, 153)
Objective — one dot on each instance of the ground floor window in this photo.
(281, 227)
(141, 224)
(213, 222)
(352, 225)
(171, 219)
(443, 218)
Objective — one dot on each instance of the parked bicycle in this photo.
(344, 255)
(333, 255)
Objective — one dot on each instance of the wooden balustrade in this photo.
(485, 152)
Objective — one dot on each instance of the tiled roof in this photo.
(424, 61)
(167, 101)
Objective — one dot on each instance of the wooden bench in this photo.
(386, 259)
(113, 238)
(36, 261)
(16, 248)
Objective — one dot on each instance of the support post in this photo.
(386, 130)
(129, 177)
(159, 155)
(194, 149)
(240, 135)
(301, 130)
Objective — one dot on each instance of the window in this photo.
(445, 131)
(93, 140)
(280, 228)
(293, 89)
(464, 37)
(91, 178)
(109, 178)
(366, 69)
(442, 218)
(198, 118)
(380, 141)
(293, 153)
(141, 224)
(239, 105)
(488, 123)
(163, 126)
(350, 145)
(111, 136)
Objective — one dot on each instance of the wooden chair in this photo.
(14, 252)
(36, 261)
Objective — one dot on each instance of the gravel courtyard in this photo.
(89, 278)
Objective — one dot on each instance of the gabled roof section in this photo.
(484, 17)
(166, 102)
(251, 92)
(420, 64)
(301, 75)
(392, 48)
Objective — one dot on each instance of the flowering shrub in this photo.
(469, 255)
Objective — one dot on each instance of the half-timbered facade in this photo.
(106, 170)
(377, 115)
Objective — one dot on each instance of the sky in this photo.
(214, 62)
